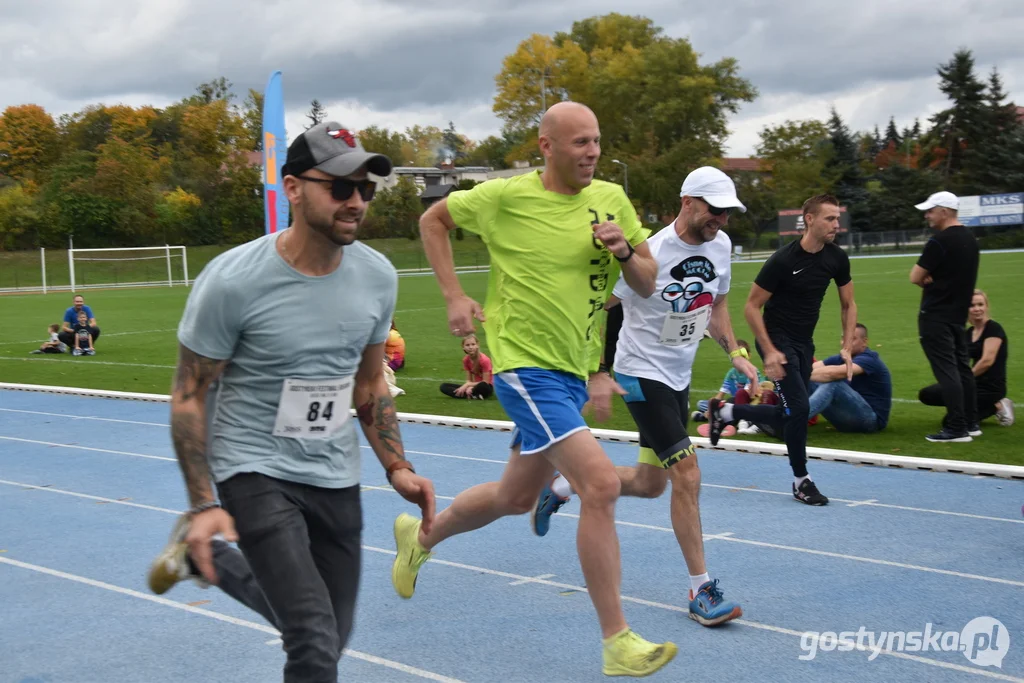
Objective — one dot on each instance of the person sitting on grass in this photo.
(67, 332)
(479, 382)
(394, 348)
(860, 405)
(84, 342)
(733, 382)
(988, 349)
(54, 345)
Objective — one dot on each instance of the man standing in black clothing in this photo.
(947, 271)
(790, 288)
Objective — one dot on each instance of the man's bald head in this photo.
(563, 116)
(570, 140)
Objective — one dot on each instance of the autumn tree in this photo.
(29, 142)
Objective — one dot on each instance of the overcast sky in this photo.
(404, 62)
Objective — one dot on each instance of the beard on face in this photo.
(325, 225)
(698, 229)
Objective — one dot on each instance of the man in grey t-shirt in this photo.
(279, 337)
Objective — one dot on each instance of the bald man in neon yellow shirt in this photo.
(557, 240)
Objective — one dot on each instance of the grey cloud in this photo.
(403, 55)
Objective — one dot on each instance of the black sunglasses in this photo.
(342, 188)
(716, 210)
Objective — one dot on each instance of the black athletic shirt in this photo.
(797, 281)
(993, 380)
(951, 258)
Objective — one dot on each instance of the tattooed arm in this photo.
(376, 408)
(379, 419)
(720, 324)
(188, 420)
(720, 327)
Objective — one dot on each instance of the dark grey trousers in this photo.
(298, 566)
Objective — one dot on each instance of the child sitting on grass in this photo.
(83, 337)
(477, 365)
(54, 345)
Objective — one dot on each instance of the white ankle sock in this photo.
(800, 480)
(561, 487)
(726, 412)
(697, 581)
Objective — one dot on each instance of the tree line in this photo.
(115, 175)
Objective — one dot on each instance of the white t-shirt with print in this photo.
(654, 344)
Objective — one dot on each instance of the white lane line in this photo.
(870, 503)
(723, 536)
(84, 417)
(532, 579)
(373, 659)
(685, 610)
(547, 582)
(862, 502)
(749, 489)
(86, 448)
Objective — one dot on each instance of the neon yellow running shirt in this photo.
(549, 277)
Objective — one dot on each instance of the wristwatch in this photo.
(628, 256)
(736, 353)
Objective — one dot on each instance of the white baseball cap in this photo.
(714, 187)
(945, 199)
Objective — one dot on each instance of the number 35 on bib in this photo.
(313, 408)
(681, 329)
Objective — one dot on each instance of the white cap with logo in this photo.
(944, 199)
(714, 187)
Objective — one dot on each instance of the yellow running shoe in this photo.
(171, 565)
(627, 654)
(411, 555)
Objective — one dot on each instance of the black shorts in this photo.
(660, 413)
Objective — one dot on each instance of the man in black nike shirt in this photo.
(947, 271)
(790, 287)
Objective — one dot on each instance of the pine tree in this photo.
(891, 134)
(316, 114)
(845, 162)
(962, 125)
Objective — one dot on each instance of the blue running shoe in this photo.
(710, 608)
(548, 504)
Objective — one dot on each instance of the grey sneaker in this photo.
(172, 565)
(1004, 414)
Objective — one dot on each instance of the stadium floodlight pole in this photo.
(625, 175)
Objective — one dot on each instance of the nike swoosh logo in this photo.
(797, 272)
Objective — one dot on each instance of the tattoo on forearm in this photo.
(188, 422)
(380, 414)
(194, 374)
(188, 432)
(723, 341)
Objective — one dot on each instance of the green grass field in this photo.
(137, 349)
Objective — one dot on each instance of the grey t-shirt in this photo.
(293, 340)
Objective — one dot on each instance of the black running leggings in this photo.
(481, 390)
(789, 417)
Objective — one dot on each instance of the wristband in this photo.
(628, 256)
(203, 507)
(736, 353)
(398, 465)
(603, 367)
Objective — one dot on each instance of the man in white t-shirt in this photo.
(653, 343)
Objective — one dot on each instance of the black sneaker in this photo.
(715, 422)
(974, 430)
(948, 436)
(809, 493)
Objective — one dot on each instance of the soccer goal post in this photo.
(128, 267)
